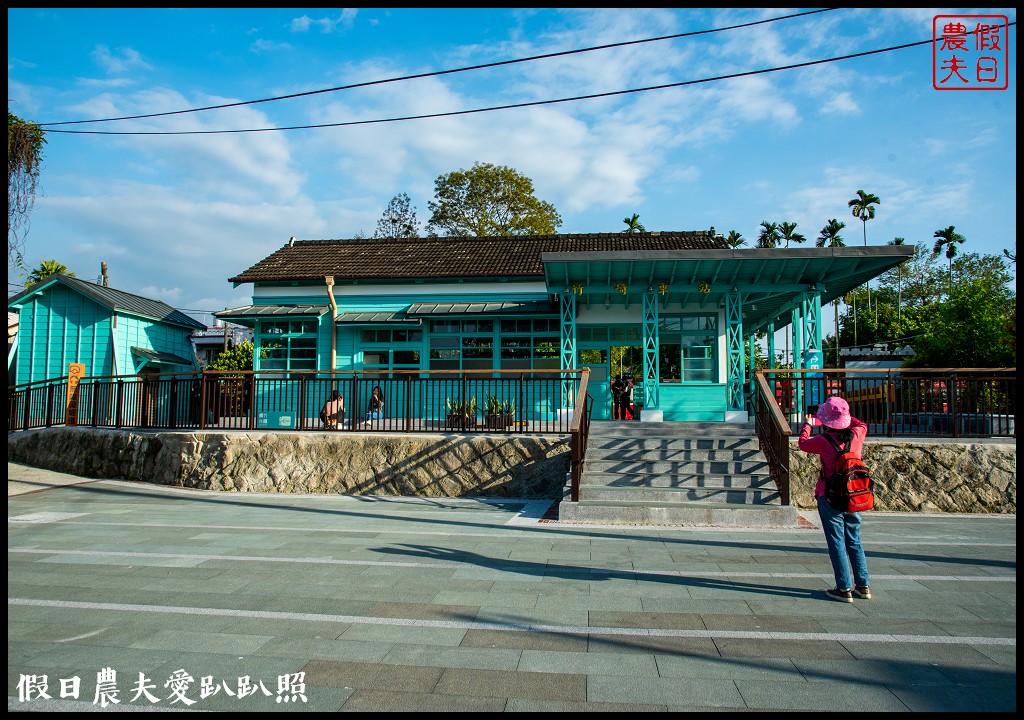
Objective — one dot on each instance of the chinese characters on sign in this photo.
(290, 688)
(970, 52)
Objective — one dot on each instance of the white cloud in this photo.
(841, 104)
(123, 60)
(325, 25)
(262, 46)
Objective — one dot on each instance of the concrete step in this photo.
(613, 428)
(677, 467)
(678, 513)
(601, 445)
(660, 496)
(670, 480)
(644, 456)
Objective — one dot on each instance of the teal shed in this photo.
(65, 320)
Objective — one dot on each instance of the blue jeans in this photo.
(373, 416)
(842, 535)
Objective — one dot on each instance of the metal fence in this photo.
(949, 402)
(414, 401)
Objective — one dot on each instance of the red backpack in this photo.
(850, 488)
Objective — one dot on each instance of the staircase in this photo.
(676, 473)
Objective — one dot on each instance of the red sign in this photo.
(970, 52)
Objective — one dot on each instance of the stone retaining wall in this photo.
(926, 476)
(911, 475)
(342, 463)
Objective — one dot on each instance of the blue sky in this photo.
(174, 216)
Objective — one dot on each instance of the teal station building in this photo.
(673, 308)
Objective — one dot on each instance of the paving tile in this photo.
(494, 683)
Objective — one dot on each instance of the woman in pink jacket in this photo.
(842, 529)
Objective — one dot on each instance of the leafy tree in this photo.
(633, 226)
(239, 357)
(830, 237)
(787, 232)
(46, 269)
(489, 200)
(899, 280)
(970, 329)
(769, 236)
(948, 238)
(25, 142)
(398, 220)
(734, 239)
(1011, 256)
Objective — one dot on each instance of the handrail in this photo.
(773, 433)
(579, 430)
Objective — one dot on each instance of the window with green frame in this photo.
(461, 344)
(688, 348)
(288, 344)
(529, 343)
(391, 348)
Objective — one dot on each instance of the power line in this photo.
(534, 103)
(443, 72)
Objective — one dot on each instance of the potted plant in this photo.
(499, 414)
(461, 414)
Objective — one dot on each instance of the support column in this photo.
(798, 362)
(751, 367)
(734, 348)
(651, 369)
(569, 358)
(771, 344)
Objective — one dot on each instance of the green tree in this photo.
(399, 219)
(769, 235)
(25, 142)
(899, 284)
(970, 329)
(787, 232)
(830, 237)
(47, 269)
(240, 357)
(633, 226)
(734, 239)
(489, 200)
(948, 238)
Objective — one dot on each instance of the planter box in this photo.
(459, 422)
(499, 422)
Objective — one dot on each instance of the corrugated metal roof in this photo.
(114, 299)
(263, 311)
(159, 357)
(376, 318)
(537, 307)
(450, 257)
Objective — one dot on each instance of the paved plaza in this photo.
(129, 596)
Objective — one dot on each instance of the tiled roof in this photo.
(449, 257)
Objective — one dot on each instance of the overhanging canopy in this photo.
(248, 314)
(156, 357)
(770, 281)
(376, 318)
(536, 307)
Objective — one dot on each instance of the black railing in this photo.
(579, 429)
(897, 402)
(414, 401)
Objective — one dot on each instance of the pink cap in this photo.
(834, 413)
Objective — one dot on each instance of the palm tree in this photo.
(735, 239)
(769, 236)
(899, 285)
(46, 269)
(949, 238)
(633, 226)
(787, 232)
(830, 237)
(862, 207)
